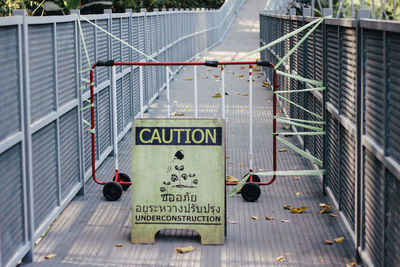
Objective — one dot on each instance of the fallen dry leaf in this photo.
(232, 222)
(254, 218)
(188, 79)
(208, 69)
(179, 114)
(119, 245)
(265, 84)
(217, 95)
(286, 127)
(231, 179)
(256, 69)
(173, 113)
(339, 239)
(227, 93)
(242, 67)
(298, 210)
(282, 150)
(287, 207)
(326, 208)
(240, 164)
(296, 178)
(227, 157)
(332, 214)
(298, 193)
(328, 242)
(216, 76)
(245, 94)
(261, 170)
(240, 75)
(280, 258)
(351, 264)
(50, 256)
(268, 218)
(285, 221)
(185, 249)
(237, 93)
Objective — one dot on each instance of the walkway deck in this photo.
(86, 233)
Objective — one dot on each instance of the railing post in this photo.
(359, 187)
(27, 143)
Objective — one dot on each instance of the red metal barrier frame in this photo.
(207, 63)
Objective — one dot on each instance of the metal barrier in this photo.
(358, 62)
(43, 163)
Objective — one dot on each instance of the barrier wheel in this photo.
(256, 179)
(112, 191)
(124, 178)
(251, 192)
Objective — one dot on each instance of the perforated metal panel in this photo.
(135, 39)
(104, 123)
(333, 152)
(45, 172)
(392, 227)
(66, 62)
(116, 45)
(374, 209)
(41, 70)
(10, 116)
(102, 51)
(333, 65)
(11, 203)
(125, 36)
(374, 88)
(69, 152)
(394, 93)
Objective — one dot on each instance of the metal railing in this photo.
(358, 62)
(44, 145)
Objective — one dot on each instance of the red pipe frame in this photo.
(92, 112)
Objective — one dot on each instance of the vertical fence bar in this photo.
(114, 118)
(196, 111)
(250, 117)
(223, 90)
(141, 90)
(168, 96)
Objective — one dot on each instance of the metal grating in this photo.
(45, 172)
(374, 187)
(333, 65)
(10, 117)
(104, 122)
(41, 70)
(392, 227)
(66, 62)
(11, 203)
(348, 73)
(69, 152)
(102, 52)
(333, 151)
(374, 85)
(394, 96)
(347, 175)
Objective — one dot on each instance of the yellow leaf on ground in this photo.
(237, 93)
(328, 242)
(242, 67)
(298, 210)
(280, 258)
(216, 76)
(261, 170)
(185, 249)
(268, 218)
(119, 245)
(240, 75)
(179, 114)
(173, 113)
(231, 179)
(326, 209)
(217, 95)
(50, 256)
(296, 178)
(188, 79)
(333, 215)
(286, 127)
(254, 218)
(245, 94)
(287, 207)
(282, 150)
(227, 157)
(240, 164)
(339, 239)
(351, 264)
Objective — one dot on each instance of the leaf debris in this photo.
(268, 218)
(50, 256)
(280, 258)
(217, 95)
(339, 239)
(254, 218)
(298, 210)
(282, 150)
(185, 249)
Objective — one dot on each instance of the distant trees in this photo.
(63, 7)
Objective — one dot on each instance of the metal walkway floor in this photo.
(87, 231)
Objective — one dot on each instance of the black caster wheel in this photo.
(256, 179)
(251, 192)
(124, 178)
(112, 191)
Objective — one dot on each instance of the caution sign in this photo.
(178, 178)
